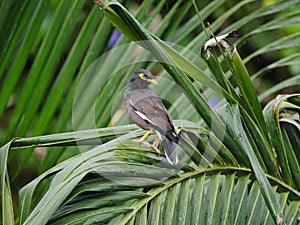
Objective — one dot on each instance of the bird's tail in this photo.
(169, 150)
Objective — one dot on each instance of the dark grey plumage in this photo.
(147, 111)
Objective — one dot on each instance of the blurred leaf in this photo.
(22, 54)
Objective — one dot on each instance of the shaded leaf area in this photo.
(122, 192)
(221, 199)
(121, 181)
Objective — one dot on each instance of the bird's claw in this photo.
(152, 146)
(139, 141)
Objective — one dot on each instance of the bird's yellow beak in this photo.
(152, 81)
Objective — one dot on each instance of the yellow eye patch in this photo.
(142, 76)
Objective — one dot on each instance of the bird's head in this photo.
(142, 78)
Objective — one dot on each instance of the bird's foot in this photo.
(151, 146)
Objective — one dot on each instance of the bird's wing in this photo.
(150, 108)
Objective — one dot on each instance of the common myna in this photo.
(148, 112)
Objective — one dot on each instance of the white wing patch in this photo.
(143, 116)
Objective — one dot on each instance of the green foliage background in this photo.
(55, 80)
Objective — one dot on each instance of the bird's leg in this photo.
(142, 139)
(153, 146)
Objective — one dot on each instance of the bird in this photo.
(147, 111)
